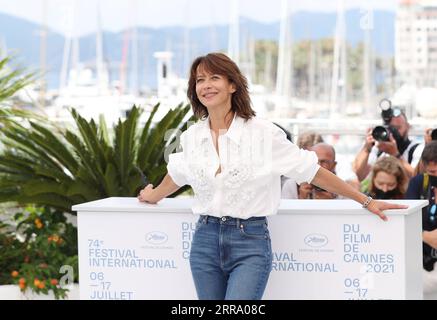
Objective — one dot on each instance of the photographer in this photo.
(430, 134)
(326, 159)
(289, 188)
(390, 139)
(424, 186)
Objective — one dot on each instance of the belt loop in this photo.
(206, 219)
(238, 223)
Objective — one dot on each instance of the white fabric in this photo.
(253, 155)
(289, 189)
(373, 156)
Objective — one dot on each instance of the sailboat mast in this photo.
(123, 63)
(43, 56)
(234, 42)
(186, 42)
(312, 72)
(284, 78)
(338, 84)
(367, 75)
(134, 56)
(268, 68)
(99, 51)
(71, 14)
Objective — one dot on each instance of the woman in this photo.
(388, 179)
(234, 161)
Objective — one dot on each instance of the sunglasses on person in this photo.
(324, 162)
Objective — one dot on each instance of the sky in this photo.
(117, 15)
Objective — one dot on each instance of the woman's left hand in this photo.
(376, 207)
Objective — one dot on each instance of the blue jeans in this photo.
(231, 258)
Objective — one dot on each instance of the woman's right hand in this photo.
(304, 190)
(377, 207)
(146, 195)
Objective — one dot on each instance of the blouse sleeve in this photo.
(290, 161)
(176, 165)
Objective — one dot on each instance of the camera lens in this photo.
(381, 133)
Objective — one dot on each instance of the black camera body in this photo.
(382, 133)
(387, 112)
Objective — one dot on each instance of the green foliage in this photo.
(12, 80)
(11, 253)
(33, 254)
(45, 166)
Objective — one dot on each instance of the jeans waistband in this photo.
(230, 220)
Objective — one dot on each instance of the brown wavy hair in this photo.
(393, 166)
(221, 64)
(307, 139)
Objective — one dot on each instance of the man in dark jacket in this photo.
(424, 186)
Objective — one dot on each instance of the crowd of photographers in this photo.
(390, 165)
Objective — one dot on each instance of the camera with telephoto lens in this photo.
(382, 133)
(434, 134)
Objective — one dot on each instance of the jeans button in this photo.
(223, 218)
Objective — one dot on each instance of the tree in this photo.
(59, 169)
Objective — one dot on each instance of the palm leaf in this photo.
(56, 147)
(46, 166)
(125, 142)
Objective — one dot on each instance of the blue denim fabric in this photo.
(231, 258)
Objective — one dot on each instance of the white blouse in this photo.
(252, 156)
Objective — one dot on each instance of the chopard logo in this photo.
(316, 240)
(156, 237)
